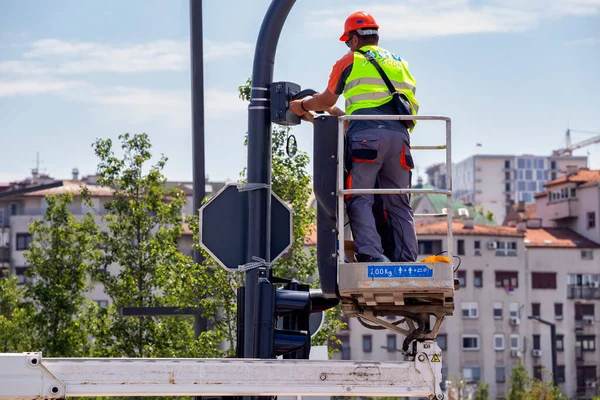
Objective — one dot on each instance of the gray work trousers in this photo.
(381, 155)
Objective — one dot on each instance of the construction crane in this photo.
(568, 149)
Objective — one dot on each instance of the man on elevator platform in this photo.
(373, 81)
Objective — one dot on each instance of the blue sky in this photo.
(513, 75)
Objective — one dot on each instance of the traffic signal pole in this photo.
(259, 167)
(197, 67)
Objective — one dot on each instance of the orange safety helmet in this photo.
(358, 20)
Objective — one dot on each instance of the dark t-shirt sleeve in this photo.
(339, 73)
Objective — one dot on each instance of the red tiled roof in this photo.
(583, 176)
(458, 228)
(557, 238)
(515, 215)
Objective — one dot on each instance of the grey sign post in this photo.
(222, 227)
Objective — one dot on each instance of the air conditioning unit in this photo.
(515, 353)
(594, 284)
(590, 384)
(588, 319)
(477, 252)
(536, 353)
(514, 321)
(492, 245)
(558, 317)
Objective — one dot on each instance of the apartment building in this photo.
(563, 273)
(23, 202)
(495, 182)
(572, 201)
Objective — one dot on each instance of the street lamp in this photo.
(553, 340)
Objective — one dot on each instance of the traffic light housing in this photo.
(282, 93)
(284, 318)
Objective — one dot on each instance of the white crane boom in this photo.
(25, 376)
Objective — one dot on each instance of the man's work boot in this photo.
(366, 258)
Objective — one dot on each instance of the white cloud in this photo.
(53, 56)
(585, 42)
(132, 103)
(417, 19)
(34, 87)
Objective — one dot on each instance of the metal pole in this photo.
(553, 344)
(197, 67)
(259, 160)
(554, 366)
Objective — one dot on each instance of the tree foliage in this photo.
(59, 260)
(143, 224)
(15, 323)
(524, 387)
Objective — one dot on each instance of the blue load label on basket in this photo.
(399, 271)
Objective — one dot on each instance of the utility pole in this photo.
(259, 171)
(197, 68)
(553, 340)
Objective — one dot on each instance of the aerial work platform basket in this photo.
(415, 292)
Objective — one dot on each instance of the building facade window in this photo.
(430, 246)
(515, 342)
(102, 303)
(470, 342)
(507, 279)
(391, 343)
(591, 220)
(498, 341)
(537, 372)
(460, 247)
(470, 309)
(23, 241)
(478, 279)
(535, 309)
(507, 164)
(367, 343)
(513, 309)
(477, 247)
(442, 341)
(537, 342)
(498, 310)
(345, 350)
(586, 342)
(461, 275)
(500, 374)
(543, 280)
(587, 254)
(558, 311)
(472, 373)
(560, 374)
(506, 248)
(560, 342)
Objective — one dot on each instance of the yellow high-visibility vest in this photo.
(365, 88)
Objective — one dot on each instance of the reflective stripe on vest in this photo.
(378, 82)
(364, 87)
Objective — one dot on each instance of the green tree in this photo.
(291, 182)
(15, 323)
(60, 257)
(481, 391)
(524, 387)
(143, 223)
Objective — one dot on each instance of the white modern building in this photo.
(494, 182)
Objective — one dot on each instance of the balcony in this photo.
(560, 209)
(583, 292)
